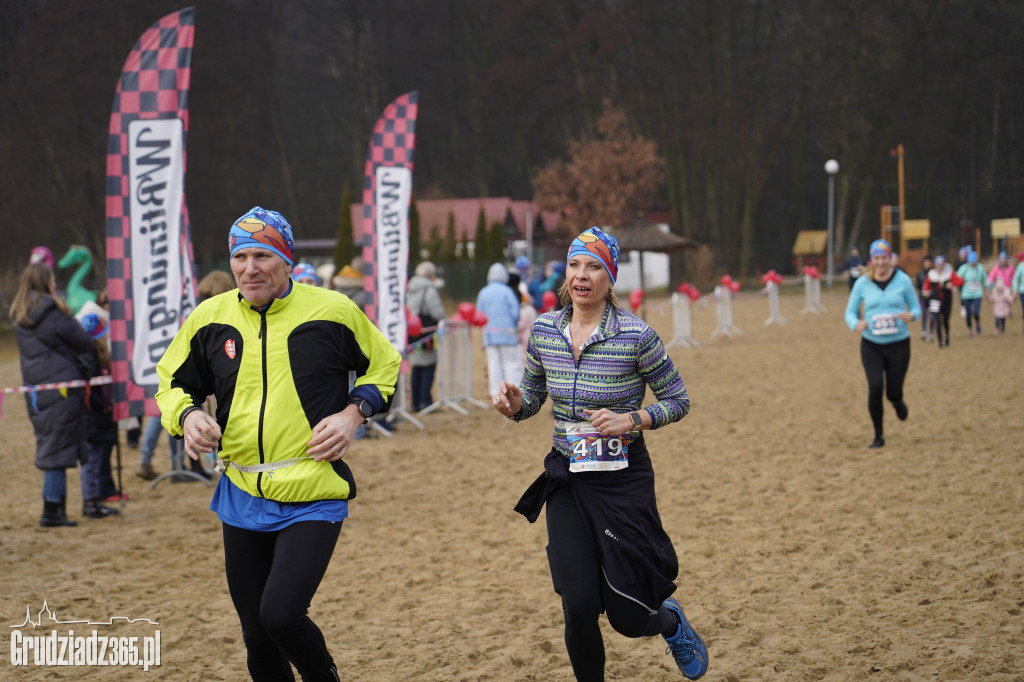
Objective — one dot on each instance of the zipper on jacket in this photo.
(576, 374)
(263, 401)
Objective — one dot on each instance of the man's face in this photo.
(261, 275)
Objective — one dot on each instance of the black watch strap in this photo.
(184, 413)
(364, 407)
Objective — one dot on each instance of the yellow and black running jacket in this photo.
(275, 375)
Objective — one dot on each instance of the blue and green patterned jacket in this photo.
(618, 362)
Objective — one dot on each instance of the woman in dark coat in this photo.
(49, 339)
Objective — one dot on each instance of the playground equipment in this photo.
(77, 295)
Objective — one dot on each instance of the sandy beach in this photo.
(804, 555)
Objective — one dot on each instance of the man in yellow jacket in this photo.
(278, 357)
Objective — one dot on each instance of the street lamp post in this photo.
(831, 167)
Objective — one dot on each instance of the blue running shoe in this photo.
(686, 646)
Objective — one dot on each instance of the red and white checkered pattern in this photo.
(154, 84)
(392, 144)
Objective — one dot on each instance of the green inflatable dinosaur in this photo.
(78, 295)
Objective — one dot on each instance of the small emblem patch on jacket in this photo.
(229, 348)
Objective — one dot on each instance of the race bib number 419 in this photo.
(590, 451)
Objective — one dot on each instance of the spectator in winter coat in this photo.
(101, 435)
(424, 300)
(501, 340)
(49, 343)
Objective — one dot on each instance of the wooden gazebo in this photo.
(640, 234)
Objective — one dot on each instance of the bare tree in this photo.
(606, 177)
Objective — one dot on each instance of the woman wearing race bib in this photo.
(607, 550)
(938, 289)
(973, 289)
(1018, 279)
(890, 302)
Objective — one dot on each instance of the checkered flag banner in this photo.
(151, 279)
(387, 190)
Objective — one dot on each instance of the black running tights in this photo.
(939, 322)
(576, 573)
(885, 365)
(272, 577)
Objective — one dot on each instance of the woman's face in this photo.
(589, 283)
(881, 262)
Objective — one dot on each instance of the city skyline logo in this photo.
(51, 614)
(53, 647)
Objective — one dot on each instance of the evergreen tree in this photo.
(344, 246)
(496, 241)
(436, 245)
(482, 246)
(448, 245)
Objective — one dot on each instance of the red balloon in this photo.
(735, 286)
(726, 279)
(548, 301)
(636, 297)
(466, 311)
(414, 325)
(956, 280)
(479, 318)
(687, 289)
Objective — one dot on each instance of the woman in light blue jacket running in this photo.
(890, 302)
(972, 290)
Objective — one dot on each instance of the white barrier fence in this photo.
(723, 313)
(454, 368)
(812, 296)
(682, 323)
(774, 316)
(399, 405)
(682, 309)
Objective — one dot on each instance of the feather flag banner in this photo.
(151, 279)
(387, 191)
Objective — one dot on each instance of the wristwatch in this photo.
(364, 407)
(637, 421)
